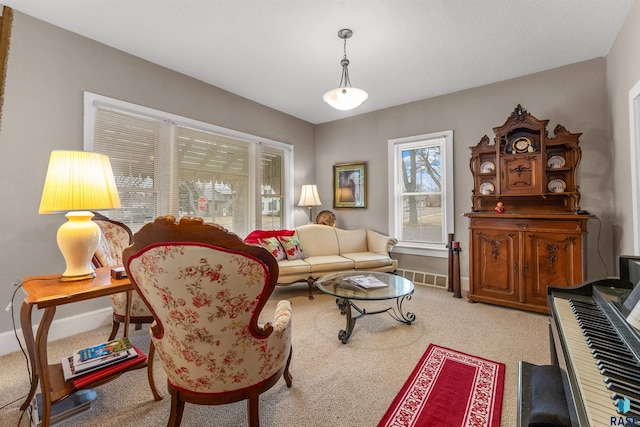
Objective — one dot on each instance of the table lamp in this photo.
(309, 197)
(77, 182)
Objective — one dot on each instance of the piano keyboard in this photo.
(605, 368)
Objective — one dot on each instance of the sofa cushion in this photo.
(321, 239)
(292, 247)
(365, 260)
(296, 266)
(324, 263)
(273, 246)
(351, 241)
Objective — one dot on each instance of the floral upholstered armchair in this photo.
(115, 236)
(207, 289)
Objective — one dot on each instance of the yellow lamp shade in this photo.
(78, 181)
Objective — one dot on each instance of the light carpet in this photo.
(334, 384)
(449, 388)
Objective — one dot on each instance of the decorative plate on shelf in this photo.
(557, 185)
(522, 145)
(555, 162)
(487, 167)
(487, 188)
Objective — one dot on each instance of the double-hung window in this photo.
(421, 192)
(164, 164)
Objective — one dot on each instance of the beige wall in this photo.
(48, 70)
(574, 96)
(623, 72)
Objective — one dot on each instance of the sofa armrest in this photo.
(379, 243)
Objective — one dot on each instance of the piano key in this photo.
(612, 371)
(622, 389)
(617, 360)
(635, 404)
(596, 398)
(634, 388)
(595, 345)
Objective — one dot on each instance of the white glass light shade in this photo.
(78, 180)
(345, 98)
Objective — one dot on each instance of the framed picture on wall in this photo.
(350, 185)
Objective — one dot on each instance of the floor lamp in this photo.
(309, 197)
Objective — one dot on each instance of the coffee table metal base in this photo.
(345, 305)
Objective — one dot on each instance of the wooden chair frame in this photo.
(166, 229)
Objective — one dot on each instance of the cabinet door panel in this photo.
(520, 175)
(495, 269)
(551, 259)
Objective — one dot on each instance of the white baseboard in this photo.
(60, 328)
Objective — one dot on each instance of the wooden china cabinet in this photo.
(527, 231)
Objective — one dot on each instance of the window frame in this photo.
(93, 102)
(395, 148)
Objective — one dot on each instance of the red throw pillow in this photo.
(255, 235)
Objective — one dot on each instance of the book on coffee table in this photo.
(365, 282)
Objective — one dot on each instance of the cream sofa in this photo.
(331, 250)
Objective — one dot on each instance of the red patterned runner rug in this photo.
(449, 388)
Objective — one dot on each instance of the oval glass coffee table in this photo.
(352, 286)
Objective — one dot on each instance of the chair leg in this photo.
(177, 408)
(310, 282)
(253, 404)
(287, 375)
(114, 330)
(152, 383)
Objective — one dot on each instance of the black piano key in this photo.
(594, 320)
(621, 366)
(622, 389)
(633, 410)
(596, 344)
(613, 371)
(595, 335)
(583, 304)
(618, 365)
(615, 357)
(634, 388)
(635, 404)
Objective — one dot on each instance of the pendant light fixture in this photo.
(345, 97)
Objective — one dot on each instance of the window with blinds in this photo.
(132, 144)
(164, 166)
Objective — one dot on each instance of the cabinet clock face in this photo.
(521, 145)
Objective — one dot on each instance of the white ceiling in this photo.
(286, 53)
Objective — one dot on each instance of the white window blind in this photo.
(213, 177)
(132, 144)
(166, 164)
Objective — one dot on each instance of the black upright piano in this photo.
(595, 356)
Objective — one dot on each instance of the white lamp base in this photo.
(78, 239)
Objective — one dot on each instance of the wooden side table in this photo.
(48, 292)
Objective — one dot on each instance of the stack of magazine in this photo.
(365, 282)
(97, 357)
